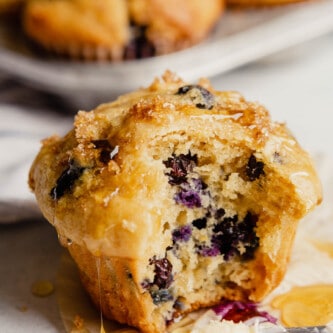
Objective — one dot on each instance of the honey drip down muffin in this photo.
(174, 197)
(119, 29)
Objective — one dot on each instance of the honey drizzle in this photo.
(98, 268)
(306, 305)
(54, 219)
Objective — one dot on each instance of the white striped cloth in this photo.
(26, 117)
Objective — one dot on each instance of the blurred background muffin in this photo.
(10, 6)
(173, 25)
(79, 28)
(119, 29)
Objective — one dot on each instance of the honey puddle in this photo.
(42, 288)
(310, 304)
(306, 306)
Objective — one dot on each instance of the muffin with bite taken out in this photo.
(173, 197)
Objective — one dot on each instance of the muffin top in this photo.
(104, 184)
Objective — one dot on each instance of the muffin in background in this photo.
(174, 197)
(10, 6)
(118, 29)
(79, 28)
(174, 25)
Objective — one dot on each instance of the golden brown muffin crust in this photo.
(133, 122)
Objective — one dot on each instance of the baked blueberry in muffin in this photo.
(174, 197)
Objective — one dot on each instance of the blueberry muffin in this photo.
(118, 29)
(79, 28)
(174, 197)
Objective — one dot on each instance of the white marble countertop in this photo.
(296, 86)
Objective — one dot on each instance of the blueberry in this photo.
(230, 234)
(160, 296)
(107, 150)
(189, 198)
(66, 181)
(254, 168)
(182, 234)
(226, 224)
(163, 272)
(219, 213)
(163, 278)
(102, 143)
(202, 98)
(139, 46)
(180, 166)
(200, 223)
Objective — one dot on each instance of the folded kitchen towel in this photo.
(26, 117)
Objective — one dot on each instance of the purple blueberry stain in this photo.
(206, 251)
(182, 234)
(238, 311)
(189, 198)
(199, 184)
